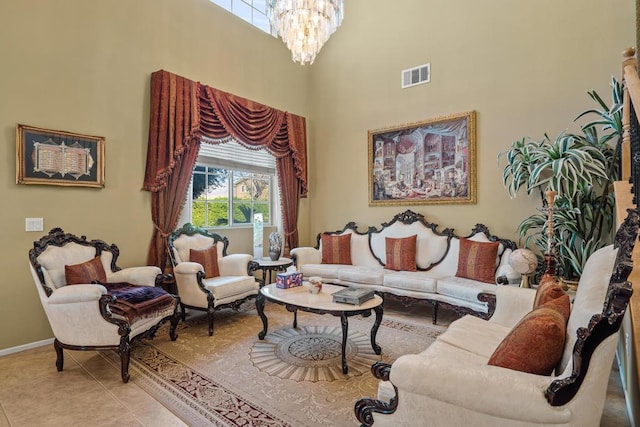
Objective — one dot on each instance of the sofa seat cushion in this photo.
(475, 335)
(363, 275)
(441, 349)
(326, 271)
(229, 286)
(419, 281)
(464, 289)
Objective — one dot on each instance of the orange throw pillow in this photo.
(336, 249)
(401, 253)
(548, 290)
(85, 273)
(535, 344)
(561, 304)
(477, 260)
(208, 259)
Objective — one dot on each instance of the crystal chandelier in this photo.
(305, 25)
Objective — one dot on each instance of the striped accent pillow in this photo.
(401, 253)
(85, 273)
(208, 259)
(336, 249)
(477, 260)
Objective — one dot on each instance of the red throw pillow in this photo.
(535, 344)
(336, 249)
(548, 290)
(86, 272)
(208, 259)
(561, 304)
(477, 260)
(401, 253)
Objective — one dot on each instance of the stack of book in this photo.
(355, 296)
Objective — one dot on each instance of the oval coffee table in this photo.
(299, 298)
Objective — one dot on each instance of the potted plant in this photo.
(581, 168)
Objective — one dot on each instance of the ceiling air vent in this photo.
(416, 75)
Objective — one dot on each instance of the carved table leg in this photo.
(345, 330)
(260, 308)
(295, 319)
(374, 329)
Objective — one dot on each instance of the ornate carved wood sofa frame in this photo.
(434, 281)
(450, 383)
(81, 315)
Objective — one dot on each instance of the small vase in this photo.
(275, 246)
(274, 254)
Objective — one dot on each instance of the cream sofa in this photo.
(451, 384)
(436, 259)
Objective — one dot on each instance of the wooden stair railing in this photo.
(627, 191)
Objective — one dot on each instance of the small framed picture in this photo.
(429, 162)
(54, 157)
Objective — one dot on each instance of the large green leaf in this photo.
(581, 168)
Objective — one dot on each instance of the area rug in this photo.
(312, 353)
(218, 380)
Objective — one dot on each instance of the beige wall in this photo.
(84, 66)
(524, 67)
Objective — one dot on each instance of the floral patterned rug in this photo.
(220, 380)
(312, 353)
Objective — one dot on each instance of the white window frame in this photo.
(233, 7)
(275, 215)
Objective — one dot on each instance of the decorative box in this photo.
(355, 296)
(288, 280)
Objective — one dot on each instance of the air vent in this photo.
(416, 75)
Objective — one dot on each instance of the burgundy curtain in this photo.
(184, 114)
(174, 140)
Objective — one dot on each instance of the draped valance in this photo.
(185, 114)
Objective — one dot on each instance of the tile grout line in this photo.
(133, 414)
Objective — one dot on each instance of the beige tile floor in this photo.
(89, 390)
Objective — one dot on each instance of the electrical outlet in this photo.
(33, 224)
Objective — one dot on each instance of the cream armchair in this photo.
(229, 288)
(85, 316)
(451, 383)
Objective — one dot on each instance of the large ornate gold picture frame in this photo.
(429, 162)
(54, 157)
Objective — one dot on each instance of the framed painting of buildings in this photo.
(54, 157)
(428, 162)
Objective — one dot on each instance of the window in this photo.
(252, 11)
(229, 185)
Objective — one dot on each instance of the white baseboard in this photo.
(11, 350)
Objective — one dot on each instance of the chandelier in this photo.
(305, 25)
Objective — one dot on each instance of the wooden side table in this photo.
(268, 266)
